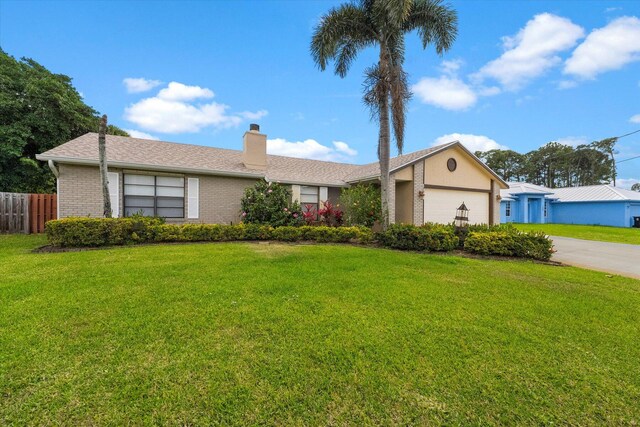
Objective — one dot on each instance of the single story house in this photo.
(592, 205)
(190, 183)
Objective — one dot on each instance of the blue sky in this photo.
(520, 74)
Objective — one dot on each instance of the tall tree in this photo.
(104, 177)
(556, 165)
(39, 110)
(347, 30)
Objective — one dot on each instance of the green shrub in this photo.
(82, 232)
(360, 205)
(269, 203)
(463, 232)
(429, 237)
(86, 232)
(535, 245)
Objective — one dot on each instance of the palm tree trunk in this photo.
(384, 137)
(102, 153)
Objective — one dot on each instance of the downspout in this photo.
(53, 168)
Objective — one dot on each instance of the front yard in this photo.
(587, 232)
(248, 333)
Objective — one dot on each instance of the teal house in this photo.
(593, 205)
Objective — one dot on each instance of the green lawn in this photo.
(244, 334)
(588, 232)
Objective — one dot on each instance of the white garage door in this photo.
(441, 205)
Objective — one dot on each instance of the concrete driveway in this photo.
(616, 258)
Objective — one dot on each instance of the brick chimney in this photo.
(254, 153)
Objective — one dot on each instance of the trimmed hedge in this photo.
(535, 245)
(83, 232)
(499, 240)
(87, 232)
(428, 237)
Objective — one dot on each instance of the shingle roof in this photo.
(143, 153)
(372, 170)
(587, 193)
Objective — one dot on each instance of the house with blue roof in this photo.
(592, 205)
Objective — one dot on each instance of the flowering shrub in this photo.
(361, 205)
(330, 215)
(269, 203)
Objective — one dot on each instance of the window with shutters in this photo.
(149, 195)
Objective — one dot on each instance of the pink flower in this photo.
(244, 214)
(295, 215)
(286, 210)
(270, 191)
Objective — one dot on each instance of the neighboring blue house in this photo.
(593, 204)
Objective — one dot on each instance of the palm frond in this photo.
(435, 22)
(339, 36)
(400, 96)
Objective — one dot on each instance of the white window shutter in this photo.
(114, 193)
(193, 190)
(324, 194)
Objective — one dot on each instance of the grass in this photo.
(243, 334)
(587, 232)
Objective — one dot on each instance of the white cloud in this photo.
(310, 149)
(180, 92)
(253, 116)
(171, 112)
(532, 51)
(451, 67)
(137, 85)
(142, 135)
(626, 182)
(343, 147)
(472, 142)
(567, 84)
(612, 9)
(488, 91)
(635, 119)
(573, 141)
(445, 92)
(608, 48)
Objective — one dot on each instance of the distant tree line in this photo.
(556, 165)
(39, 110)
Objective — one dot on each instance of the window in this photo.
(546, 208)
(150, 195)
(507, 208)
(309, 196)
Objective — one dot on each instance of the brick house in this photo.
(190, 183)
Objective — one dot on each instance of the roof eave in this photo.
(142, 166)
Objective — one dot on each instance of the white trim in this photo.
(114, 193)
(323, 195)
(193, 194)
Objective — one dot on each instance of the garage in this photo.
(440, 205)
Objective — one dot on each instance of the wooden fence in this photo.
(26, 213)
(42, 208)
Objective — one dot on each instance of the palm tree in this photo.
(352, 27)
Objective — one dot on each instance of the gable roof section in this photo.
(136, 153)
(595, 193)
(587, 193)
(524, 188)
